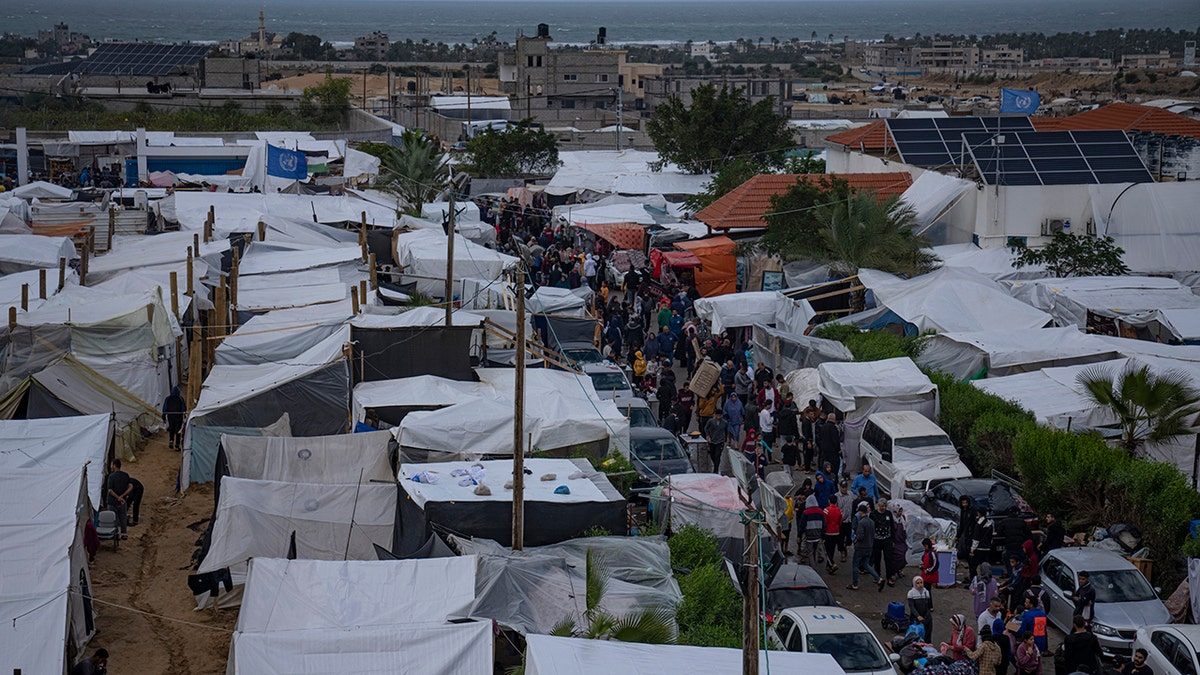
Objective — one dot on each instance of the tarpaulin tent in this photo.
(46, 616)
(422, 257)
(784, 351)
(1155, 223)
(67, 442)
(859, 389)
(718, 271)
(1007, 352)
(1169, 325)
(993, 263)
(549, 655)
(704, 499)
(950, 300)
(166, 251)
(282, 334)
(1071, 301)
(429, 347)
(552, 515)
(20, 252)
(740, 310)
(620, 235)
(346, 458)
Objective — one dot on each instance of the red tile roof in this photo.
(873, 136)
(1124, 116)
(746, 205)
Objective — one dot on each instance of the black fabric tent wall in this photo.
(394, 353)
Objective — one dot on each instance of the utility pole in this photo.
(467, 68)
(620, 113)
(750, 596)
(450, 259)
(518, 505)
(528, 98)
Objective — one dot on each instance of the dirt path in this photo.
(144, 606)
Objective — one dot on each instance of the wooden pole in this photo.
(354, 299)
(208, 230)
(25, 297)
(62, 273)
(750, 598)
(112, 227)
(91, 239)
(42, 283)
(262, 231)
(190, 290)
(178, 341)
(12, 318)
(450, 262)
(175, 293)
(83, 267)
(372, 271)
(362, 292)
(195, 365)
(362, 236)
(518, 507)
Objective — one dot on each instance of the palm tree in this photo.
(1150, 407)
(416, 170)
(652, 625)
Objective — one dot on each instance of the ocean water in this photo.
(576, 21)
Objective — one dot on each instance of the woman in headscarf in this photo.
(983, 588)
(962, 638)
(920, 606)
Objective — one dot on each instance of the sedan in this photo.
(1170, 650)
(1125, 601)
(656, 453)
(987, 494)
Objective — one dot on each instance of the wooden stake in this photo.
(112, 226)
(25, 297)
(83, 267)
(42, 283)
(196, 244)
(262, 231)
(12, 318)
(518, 505)
(62, 274)
(374, 273)
(362, 292)
(354, 299)
(175, 293)
(190, 290)
(450, 266)
(362, 236)
(750, 599)
(208, 230)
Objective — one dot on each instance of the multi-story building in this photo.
(560, 79)
(676, 84)
(1159, 60)
(945, 56)
(1002, 57)
(374, 46)
(886, 56)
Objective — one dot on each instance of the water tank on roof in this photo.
(602, 35)
(543, 30)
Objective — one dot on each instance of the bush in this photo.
(692, 547)
(872, 345)
(711, 612)
(1068, 473)
(989, 443)
(1157, 499)
(962, 404)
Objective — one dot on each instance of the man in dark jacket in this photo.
(1080, 648)
(1012, 532)
(175, 413)
(1085, 598)
(829, 442)
(864, 541)
(788, 424)
(881, 551)
(1052, 536)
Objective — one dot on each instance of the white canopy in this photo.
(737, 310)
(20, 252)
(994, 263)
(40, 189)
(626, 172)
(932, 194)
(549, 655)
(613, 213)
(448, 487)
(256, 518)
(1070, 300)
(847, 385)
(422, 254)
(63, 442)
(331, 460)
(951, 299)
(707, 500)
(141, 252)
(240, 212)
(1154, 222)
(42, 613)
(282, 334)
(1053, 396)
(1007, 352)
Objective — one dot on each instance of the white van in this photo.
(909, 454)
(834, 631)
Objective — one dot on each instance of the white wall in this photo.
(840, 159)
(1024, 208)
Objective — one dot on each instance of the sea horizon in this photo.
(627, 22)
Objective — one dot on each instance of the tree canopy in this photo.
(520, 150)
(719, 126)
(328, 101)
(792, 222)
(1150, 407)
(1070, 255)
(416, 170)
(732, 174)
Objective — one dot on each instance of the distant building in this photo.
(1074, 62)
(261, 41)
(704, 50)
(886, 56)
(675, 84)
(373, 46)
(945, 56)
(1160, 60)
(1002, 57)
(560, 79)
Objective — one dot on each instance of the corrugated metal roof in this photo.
(1124, 116)
(746, 204)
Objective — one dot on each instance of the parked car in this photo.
(609, 380)
(1125, 601)
(833, 631)
(638, 411)
(796, 585)
(656, 453)
(580, 353)
(909, 453)
(1171, 650)
(992, 496)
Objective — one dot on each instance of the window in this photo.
(570, 78)
(852, 651)
(783, 627)
(1122, 586)
(567, 103)
(602, 77)
(528, 61)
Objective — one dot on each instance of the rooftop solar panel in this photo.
(1056, 158)
(938, 141)
(136, 59)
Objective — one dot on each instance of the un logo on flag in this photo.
(1023, 102)
(287, 162)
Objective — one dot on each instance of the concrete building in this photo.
(945, 56)
(886, 56)
(373, 46)
(704, 50)
(559, 79)
(1002, 57)
(675, 84)
(1159, 60)
(233, 73)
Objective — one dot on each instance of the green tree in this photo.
(864, 231)
(520, 150)
(416, 170)
(732, 174)
(1069, 255)
(305, 46)
(1149, 407)
(716, 128)
(332, 96)
(651, 625)
(792, 222)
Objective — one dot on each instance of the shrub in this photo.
(989, 443)
(1157, 499)
(872, 345)
(692, 547)
(1068, 473)
(961, 404)
(711, 612)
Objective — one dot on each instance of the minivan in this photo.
(909, 454)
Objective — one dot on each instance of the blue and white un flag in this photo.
(1022, 101)
(284, 163)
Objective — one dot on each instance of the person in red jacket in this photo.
(929, 572)
(833, 534)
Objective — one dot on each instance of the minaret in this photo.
(262, 32)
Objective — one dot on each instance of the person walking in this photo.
(174, 411)
(814, 531)
(766, 426)
(706, 407)
(983, 588)
(829, 441)
(866, 480)
(823, 488)
(845, 504)
(882, 550)
(920, 606)
(119, 489)
(929, 566)
(864, 541)
(716, 431)
(1081, 648)
(787, 419)
(964, 532)
(742, 382)
(733, 418)
(988, 655)
(808, 422)
(833, 534)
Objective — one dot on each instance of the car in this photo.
(796, 585)
(638, 411)
(609, 380)
(833, 631)
(580, 353)
(909, 453)
(1170, 650)
(459, 146)
(1125, 601)
(993, 496)
(656, 453)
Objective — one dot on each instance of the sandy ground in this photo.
(377, 84)
(150, 627)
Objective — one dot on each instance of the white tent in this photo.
(994, 263)
(624, 172)
(1154, 222)
(614, 213)
(422, 256)
(40, 189)
(932, 194)
(1007, 352)
(44, 613)
(549, 655)
(331, 460)
(704, 499)
(951, 299)
(256, 519)
(1169, 325)
(240, 212)
(739, 310)
(1070, 301)
(20, 252)
(166, 251)
(860, 389)
(64, 442)
(282, 334)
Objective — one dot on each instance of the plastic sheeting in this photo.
(624, 172)
(290, 595)
(43, 612)
(20, 252)
(612, 213)
(449, 487)
(40, 189)
(283, 334)
(144, 252)
(449, 649)
(1170, 325)
(1007, 352)
(102, 324)
(994, 263)
(422, 255)
(1154, 222)
(331, 460)
(918, 525)
(210, 437)
(240, 212)
(256, 519)
(65, 442)
(951, 299)
(738, 310)
(784, 351)
(703, 499)
(1052, 396)
(1070, 301)
(263, 260)
(548, 655)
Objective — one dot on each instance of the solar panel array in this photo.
(135, 59)
(1057, 158)
(937, 142)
